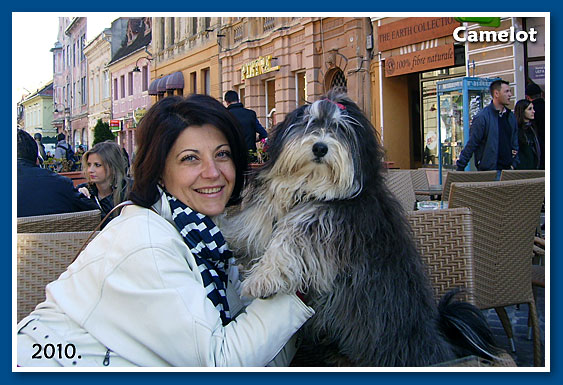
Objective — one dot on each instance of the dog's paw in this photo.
(262, 283)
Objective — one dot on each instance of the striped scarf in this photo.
(205, 241)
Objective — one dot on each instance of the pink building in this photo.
(69, 81)
(130, 77)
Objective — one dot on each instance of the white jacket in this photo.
(135, 293)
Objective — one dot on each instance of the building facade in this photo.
(98, 56)
(279, 63)
(186, 57)
(38, 113)
(413, 54)
(129, 69)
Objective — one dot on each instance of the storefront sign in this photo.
(115, 125)
(414, 30)
(257, 67)
(442, 56)
(138, 114)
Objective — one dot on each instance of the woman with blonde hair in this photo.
(105, 171)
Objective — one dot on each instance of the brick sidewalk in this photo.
(524, 355)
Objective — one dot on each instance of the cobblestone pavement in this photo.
(524, 355)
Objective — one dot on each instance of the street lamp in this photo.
(149, 58)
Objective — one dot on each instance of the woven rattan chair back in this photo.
(42, 258)
(444, 238)
(521, 174)
(66, 222)
(420, 182)
(400, 184)
(505, 215)
(465, 176)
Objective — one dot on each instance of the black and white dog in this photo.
(318, 218)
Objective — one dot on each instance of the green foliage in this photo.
(102, 132)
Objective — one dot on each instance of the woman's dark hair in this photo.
(519, 111)
(158, 131)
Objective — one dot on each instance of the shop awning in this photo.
(161, 86)
(153, 87)
(175, 81)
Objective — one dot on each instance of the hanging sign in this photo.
(257, 67)
(439, 57)
(115, 125)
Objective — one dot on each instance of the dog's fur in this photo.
(326, 225)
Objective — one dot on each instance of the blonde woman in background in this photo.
(104, 167)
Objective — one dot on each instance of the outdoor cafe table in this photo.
(434, 191)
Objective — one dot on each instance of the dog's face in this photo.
(315, 153)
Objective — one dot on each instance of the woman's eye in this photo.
(224, 154)
(189, 158)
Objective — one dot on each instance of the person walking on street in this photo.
(493, 135)
(64, 151)
(248, 122)
(529, 146)
(38, 138)
(534, 95)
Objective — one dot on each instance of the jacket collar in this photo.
(234, 105)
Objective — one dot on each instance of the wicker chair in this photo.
(445, 241)
(504, 218)
(420, 182)
(42, 257)
(465, 176)
(521, 174)
(66, 222)
(400, 184)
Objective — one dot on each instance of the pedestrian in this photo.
(535, 94)
(107, 184)
(248, 123)
(493, 134)
(64, 154)
(40, 190)
(38, 138)
(158, 286)
(529, 151)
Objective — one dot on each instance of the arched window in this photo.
(338, 81)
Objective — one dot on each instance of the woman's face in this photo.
(96, 169)
(529, 112)
(199, 169)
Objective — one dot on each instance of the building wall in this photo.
(187, 45)
(76, 76)
(39, 115)
(317, 47)
(98, 55)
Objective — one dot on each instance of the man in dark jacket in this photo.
(247, 119)
(493, 135)
(534, 94)
(41, 191)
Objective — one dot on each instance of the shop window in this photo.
(206, 81)
(270, 98)
(300, 88)
(241, 94)
(193, 84)
(535, 52)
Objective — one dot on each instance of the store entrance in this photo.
(425, 114)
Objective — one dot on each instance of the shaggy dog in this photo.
(318, 218)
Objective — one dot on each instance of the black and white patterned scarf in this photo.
(209, 249)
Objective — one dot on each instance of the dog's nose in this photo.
(320, 149)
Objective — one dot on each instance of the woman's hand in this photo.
(84, 191)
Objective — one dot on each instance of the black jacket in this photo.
(42, 191)
(248, 123)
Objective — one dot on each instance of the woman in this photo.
(529, 147)
(158, 286)
(105, 169)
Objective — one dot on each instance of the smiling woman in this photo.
(159, 285)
